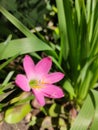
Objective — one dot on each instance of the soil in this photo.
(19, 126)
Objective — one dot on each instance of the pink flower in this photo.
(39, 80)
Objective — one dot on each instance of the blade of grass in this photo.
(92, 20)
(88, 9)
(94, 46)
(85, 86)
(94, 125)
(77, 6)
(22, 46)
(16, 22)
(63, 32)
(7, 78)
(72, 38)
(57, 64)
(85, 115)
(8, 61)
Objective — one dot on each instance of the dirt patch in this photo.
(19, 126)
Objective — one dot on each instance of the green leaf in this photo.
(22, 46)
(10, 5)
(22, 98)
(84, 70)
(88, 115)
(8, 39)
(94, 124)
(85, 115)
(69, 88)
(84, 88)
(57, 64)
(33, 121)
(16, 22)
(62, 124)
(8, 61)
(10, 74)
(92, 20)
(63, 32)
(88, 9)
(94, 42)
(17, 113)
(77, 6)
(54, 110)
(71, 33)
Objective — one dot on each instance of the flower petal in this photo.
(53, 77)
(52, 91)
(29, 66)
(22, 82)
(39, 96)
(44, 65)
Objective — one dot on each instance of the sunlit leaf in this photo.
(22, 46)
(84, 87)
(17, 113)
(78, 10)
(69, 88)
(63, 31)
(94, 124)
(85, 115)
(54, 110)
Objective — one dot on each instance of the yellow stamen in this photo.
(36, 84)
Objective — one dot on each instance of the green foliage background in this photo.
(72, 43)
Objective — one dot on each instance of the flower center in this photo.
(35, 84)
